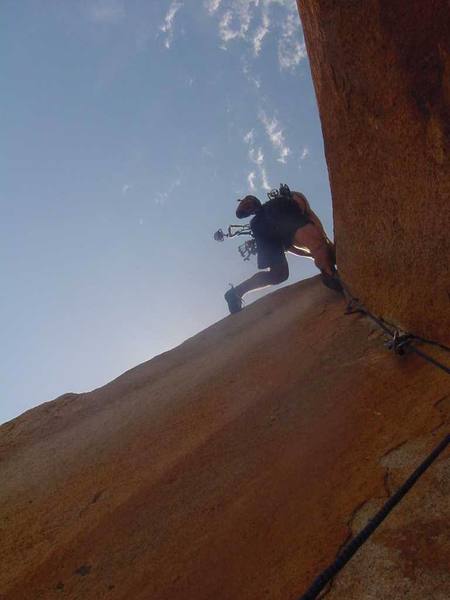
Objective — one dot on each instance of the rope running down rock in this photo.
(352, 547)
(399, 342)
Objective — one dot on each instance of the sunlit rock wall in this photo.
(381, 70)
(234, 467)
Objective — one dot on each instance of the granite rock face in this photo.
(381, 70)
(233, 467)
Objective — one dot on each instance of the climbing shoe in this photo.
(233, 300)
(332, 282)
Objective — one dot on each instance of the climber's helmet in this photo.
(247, 206)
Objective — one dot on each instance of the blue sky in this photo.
(129, 129)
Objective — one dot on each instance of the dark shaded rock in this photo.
(382, 76)
(83, 570)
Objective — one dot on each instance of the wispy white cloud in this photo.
(251, 77)
(227, 32)
(275, 134)
(212, 5)
(291, 48)
(236, 20)
(207, 152)
(168, 24)
(126, 188)
(264, 180)
(261, 33)
(250, 21)
(251, 180)
(106, 12)
(305, 153)
(162, 197)
(249, 137)
(256, 156)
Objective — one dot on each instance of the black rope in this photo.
(430, 359)
(431, 342)
(399, 342)
(352, 547)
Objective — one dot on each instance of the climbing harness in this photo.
(248, 248)
(400, 342)
(353, 546)
(283, 192)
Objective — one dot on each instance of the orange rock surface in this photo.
(234, 466)
(381, 70)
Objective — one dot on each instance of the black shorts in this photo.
(274, 227)
(271, 253)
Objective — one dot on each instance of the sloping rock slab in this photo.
(234, 466)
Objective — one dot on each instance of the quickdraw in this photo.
(248, 248)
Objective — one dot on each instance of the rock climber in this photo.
(285, 223)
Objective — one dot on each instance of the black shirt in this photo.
(278, 220)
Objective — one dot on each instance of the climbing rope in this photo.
(352, 547)
(400, 342)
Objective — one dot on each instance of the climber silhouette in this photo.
(285, 223)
